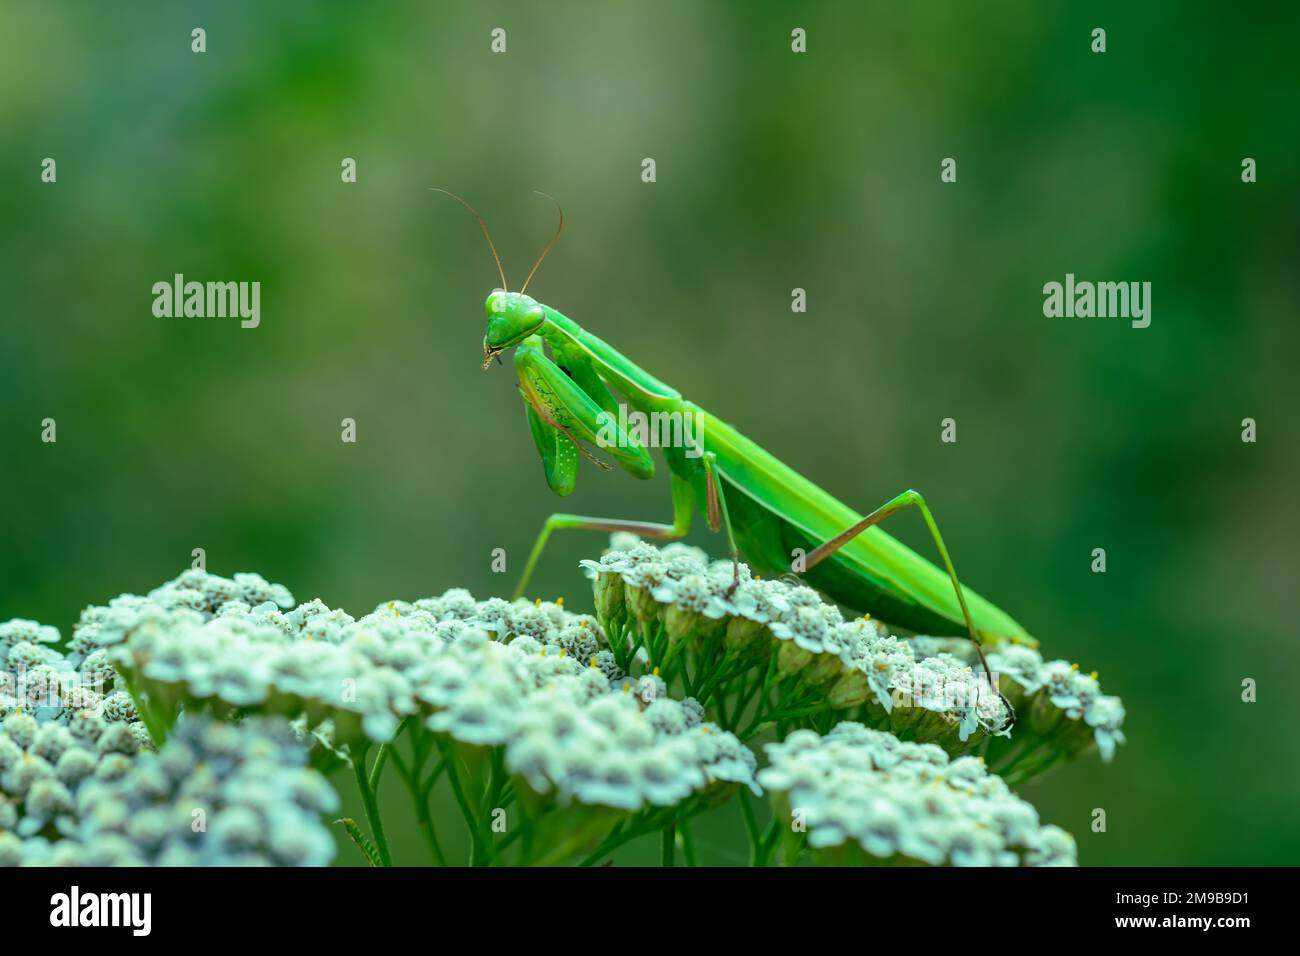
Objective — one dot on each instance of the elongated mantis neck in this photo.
(641, 389)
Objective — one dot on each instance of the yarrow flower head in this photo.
(196, 591)
(532, 682)
(217, 794)
(862, 795)
(50, 751)
(19, 631)
(1060, 704)
(678, 606)
(185, 726)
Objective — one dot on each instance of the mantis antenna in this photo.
(558, 229)
(486, 235)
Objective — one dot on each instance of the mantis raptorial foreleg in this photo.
(564, 408)
(683, 511)
(893, 506)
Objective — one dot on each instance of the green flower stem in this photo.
(651, 637)
(497, 781)
(508, 795)
(527, 853)
(616, 632)
(789, 696)
(792, 850)
(377, 769)
(1033, 763)
(608, 841)
(688, 843)
(751, 827)
(668, 843)
(825, 720)
(515, 834)
(720, 675)
(423, 812)
(476, 855)
(767, 846)
(620, 835)
(430, 834)
(525, 832)
(761, 846)
(381, 756)
(704, 663)
(372, 808)
(725, 700)
(421, 791)
(641, 639)
(755, 725)
(789, 706)
(668, 660)
(1027, 744)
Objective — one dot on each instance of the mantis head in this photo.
(511, 318)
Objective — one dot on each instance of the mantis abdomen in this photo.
(780, 517)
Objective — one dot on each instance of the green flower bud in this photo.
(640, 602)
(825, 667)
(849, 691)
(791, 658)
(746, 637)
(607, 592)
(681, 622)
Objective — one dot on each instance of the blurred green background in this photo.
(775, 171)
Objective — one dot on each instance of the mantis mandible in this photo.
(768, 511)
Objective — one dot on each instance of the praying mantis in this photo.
(768, 511)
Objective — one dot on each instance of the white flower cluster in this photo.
(906, 802)
(80, 785)
(571, 731)
(532, 678)
(198, 591)
(40, 686)
(43, 762)
(853, 662)
(614, 750)
(1055, 699)
(38, 678)
(216, 794)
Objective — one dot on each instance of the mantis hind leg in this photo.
(912, 498)
(683, 512)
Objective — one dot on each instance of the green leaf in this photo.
(361, 840)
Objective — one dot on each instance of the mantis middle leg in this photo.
(719, 517)
(683, 513)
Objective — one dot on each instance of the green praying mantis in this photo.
(768, 511)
